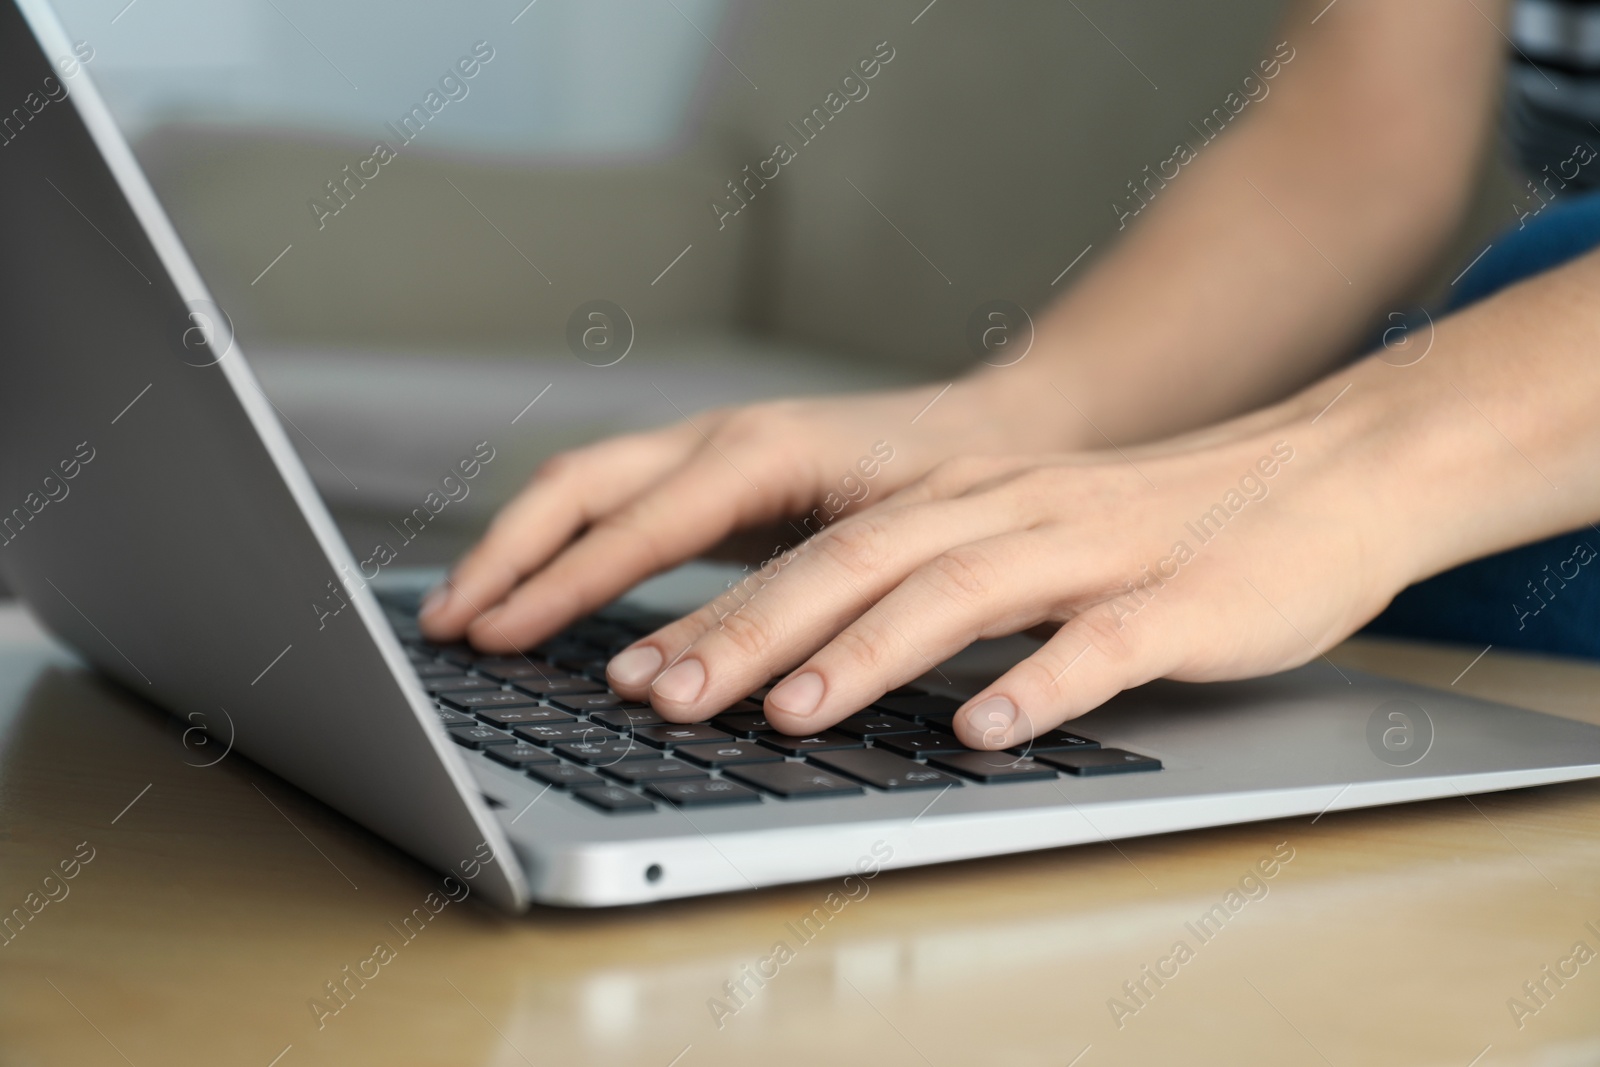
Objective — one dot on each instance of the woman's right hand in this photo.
(597, 520)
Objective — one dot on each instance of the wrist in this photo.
(1027, 409)
(1426, 479)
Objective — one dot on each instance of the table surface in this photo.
(219, 901)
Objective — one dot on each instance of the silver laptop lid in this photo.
(152, 511)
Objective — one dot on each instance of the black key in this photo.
(509, 717)
(454, 718)
(556, 733)
(479, 736)
(562, 645)
(794, 780)
(555, 685)
(612, 643)
(707, 791)
(927, 743)
(461, 655)
(602, 634)
(611, 646)
(671, 734)
(517, 670)
(604, 753)
(582, 702)
(635, 619)
(564, 775)
(925, 708)
(413, 638)
(634, 627)
(624, 719)
(728, 754)
(435, 669)
(1100, 761)
(457, 683)
(994, 766)
(488, 698)
(1056, 740)
(799, 746)
(873, 724)
(944, 724)
(510, 661)
(612, 798)
(418, 657)
(590, 666)
(519, 755)
(641, 771)
(884, 769)
(744, 723)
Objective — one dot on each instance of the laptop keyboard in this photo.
(549, 714)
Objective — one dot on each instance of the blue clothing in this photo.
(1541, 597)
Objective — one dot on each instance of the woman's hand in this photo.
(595, 521)
(1234, 551)
(1245, 550)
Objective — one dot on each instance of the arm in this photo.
(1270, 254)
(1214, 304)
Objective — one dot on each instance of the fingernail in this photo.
(681, 684)
(435, 601)
(799, 695)
(994, 717)
(635, 666)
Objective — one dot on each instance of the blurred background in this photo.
(582, 161)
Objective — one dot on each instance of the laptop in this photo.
(155, 516)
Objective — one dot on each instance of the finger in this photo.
(972, 590)
(840, 574)
(849, 540)
(569, 492)
(692, 509)
(632, 670)
(1093, 657)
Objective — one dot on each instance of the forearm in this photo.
(1492, 441)
(1269, 255)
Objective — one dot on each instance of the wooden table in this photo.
(219, 901)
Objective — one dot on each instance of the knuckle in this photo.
(748, 633)
(1041, 674)
(859, 546)
(964, 574)
(1107, 635)
(860, 646)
